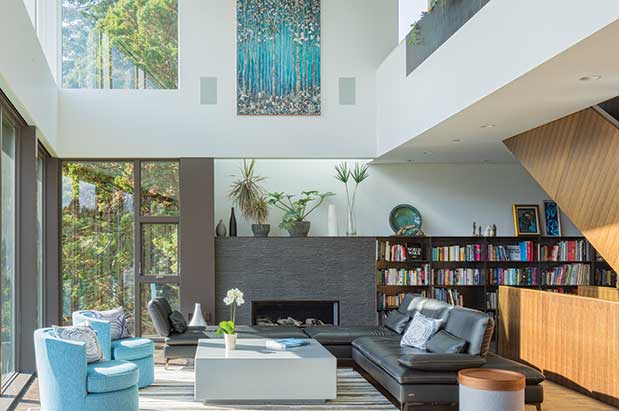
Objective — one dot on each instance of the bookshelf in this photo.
(467, 271)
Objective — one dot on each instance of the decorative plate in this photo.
(404, 215)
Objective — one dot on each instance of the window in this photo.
(111, 255)
(113, 44)
(40, 240)
(7, 250)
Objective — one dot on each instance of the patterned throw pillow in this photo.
(419, 331)
(178, 322)
(85, 334)
(118, 322)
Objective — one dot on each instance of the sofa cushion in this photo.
(177, 321)
(189, 337)
(396, 321)
(111, 376)
(419, 331)
(346, 335)
(159, 310)
(441, 362)
(132, 348)
(445, 343)
(404, 307)
(430, 308)
(385, 352)
(470, 325)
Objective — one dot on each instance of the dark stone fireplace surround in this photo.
(338, 269)
(328, 312)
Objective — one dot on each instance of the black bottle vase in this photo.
(232, 224)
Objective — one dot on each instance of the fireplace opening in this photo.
(295, 313)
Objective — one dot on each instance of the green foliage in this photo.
(296, 211)
(225, 327)
(247, 193)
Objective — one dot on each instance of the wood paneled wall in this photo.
(574, 340)
(603, 293)
(576, 160)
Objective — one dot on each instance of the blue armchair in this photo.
(68, 383)
(139, 351)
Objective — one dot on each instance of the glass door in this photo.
(7, 250)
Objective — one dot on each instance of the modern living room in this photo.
(309, 205)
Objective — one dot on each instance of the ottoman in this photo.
(139, 351)
(488, 389)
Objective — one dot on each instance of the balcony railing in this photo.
(436, 26)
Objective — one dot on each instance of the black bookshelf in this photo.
(479, 289)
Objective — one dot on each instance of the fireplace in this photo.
(295, 313)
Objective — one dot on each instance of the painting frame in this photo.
(278, 58)
(552, 216)
(526, 220)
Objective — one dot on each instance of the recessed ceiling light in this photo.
(593, 77)
(488, 125)
(456, 140)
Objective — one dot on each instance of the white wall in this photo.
(356, 36)
(502, 42)
(448, 196)
(24, 73)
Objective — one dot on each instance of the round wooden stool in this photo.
(488, 389)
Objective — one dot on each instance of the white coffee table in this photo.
(254, 373)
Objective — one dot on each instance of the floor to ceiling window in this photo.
(8, 134)
(120, 44)
(40, 239)
(119, 249)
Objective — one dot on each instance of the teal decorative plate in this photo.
(403, 215)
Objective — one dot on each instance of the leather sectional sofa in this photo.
(411, 377)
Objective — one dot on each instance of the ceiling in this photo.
(548, 92)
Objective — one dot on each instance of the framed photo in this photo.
(553, 222)
(526, 219)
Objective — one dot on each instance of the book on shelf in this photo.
(399, 252)
(573, 250)
(491, 300)
(469, 252)
(449, 295)
(568, 274)
(605, 277)
(523, 251)
(394, 276)
(513, 276)
(458, 276)
(392, 301)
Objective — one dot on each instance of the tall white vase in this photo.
(332, 221)
(197, 319)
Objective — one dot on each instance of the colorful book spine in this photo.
(458, 276)
(568, 274)
(513, 276)
(469, 252)
(394, 276)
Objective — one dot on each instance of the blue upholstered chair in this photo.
(68, 383)
(139, 351)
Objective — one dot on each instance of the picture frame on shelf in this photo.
(526, 219)
(553, 219)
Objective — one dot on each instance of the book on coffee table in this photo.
(284, 344)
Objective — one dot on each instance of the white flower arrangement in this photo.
(234, 298)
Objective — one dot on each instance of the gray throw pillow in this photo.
(178, 322)
(445, 343)
(118, 322)
(396, 321)
(85, 334)
(419, 331)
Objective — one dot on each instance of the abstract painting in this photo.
(553, 224)
(526, 220)
(278, 57)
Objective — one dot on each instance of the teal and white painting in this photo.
(278, 57)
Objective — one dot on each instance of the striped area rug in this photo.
(173, 390)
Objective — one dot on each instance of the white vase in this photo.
(197, 320)
(230, 342)
(332, 221)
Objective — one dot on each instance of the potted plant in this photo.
(234, 298)
(247, 193)
(359, 173)
(296, 211)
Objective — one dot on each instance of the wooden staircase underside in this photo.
(576, 161)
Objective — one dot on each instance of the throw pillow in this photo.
(419, 331)
(85, 334)
(178, 322)
(118, 322)
(445, 343)
(396, 321)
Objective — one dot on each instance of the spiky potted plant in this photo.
(297, 210)
(247, 193)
